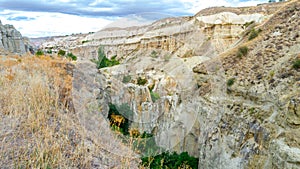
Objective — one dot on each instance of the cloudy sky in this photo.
(39, 18)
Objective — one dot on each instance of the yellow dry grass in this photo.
(37, 128)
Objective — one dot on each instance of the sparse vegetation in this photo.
(61, 52)
(71, 56)
(36, 118)
(242, 51)
(49, 51)
(271, 74)
(126, 79)
(296, 64)
(85, 41)
(167, 57)
(119, 117)
(103, 61)
(230, 81)
(188, 53)
(154, 96)
(145, 144)
(170, 160)
(154, 54)
(247, 24)
(254, 33)
(39, 53)
(141, 81)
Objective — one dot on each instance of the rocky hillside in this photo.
(222, 85)
(39, 126)
(12, 41)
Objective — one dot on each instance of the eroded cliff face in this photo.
(187, 101)
(183, 37)
(11, 40)
(260, 108)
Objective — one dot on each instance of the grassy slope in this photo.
(38, 126)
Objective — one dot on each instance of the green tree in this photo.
(126, 79)
(103, 61)
(154, 96)
(61, 52)
(242, 51)
(296, 64)
(230, 81)
(254, 33)
(72, 56)
(39, 53)
(168, 160)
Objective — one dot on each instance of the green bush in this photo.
(242, 51)
(230, 81)
(247, 24)
(296, 64)
(39, 53)
(49, 51)
(141, 81)
(103, 61)
(126, 79)
(145, 144)
(170, 160)
(85, 41)
(254, 33)
(71, 56)
(61, 52)
(154, 54)
(154, 96)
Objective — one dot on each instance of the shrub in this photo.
(230, 81)
(121, 111)
(85, 41)
(71, 56)
(103, 61)
(39, 53)
(254, 33)
(296, 64)
(154, 54)
(61, 52)
(151, 87)
(141, 81)
(242, 51)
(170, 160)
(247, 24)
(188, 53)
(126, 79)
(49, 51)
(154, 96)
(145, 144)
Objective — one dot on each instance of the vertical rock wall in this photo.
(11, 39)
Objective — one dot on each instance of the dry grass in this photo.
(38, 125)
(36, 128)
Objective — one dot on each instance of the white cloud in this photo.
(51, 24)
(96, 2)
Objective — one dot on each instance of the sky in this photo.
(41, 18)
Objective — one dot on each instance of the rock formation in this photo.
(12, 41)
(251, 122)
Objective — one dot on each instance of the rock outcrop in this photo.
(198, 95)
(12, 41)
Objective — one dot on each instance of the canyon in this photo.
(220, 85)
